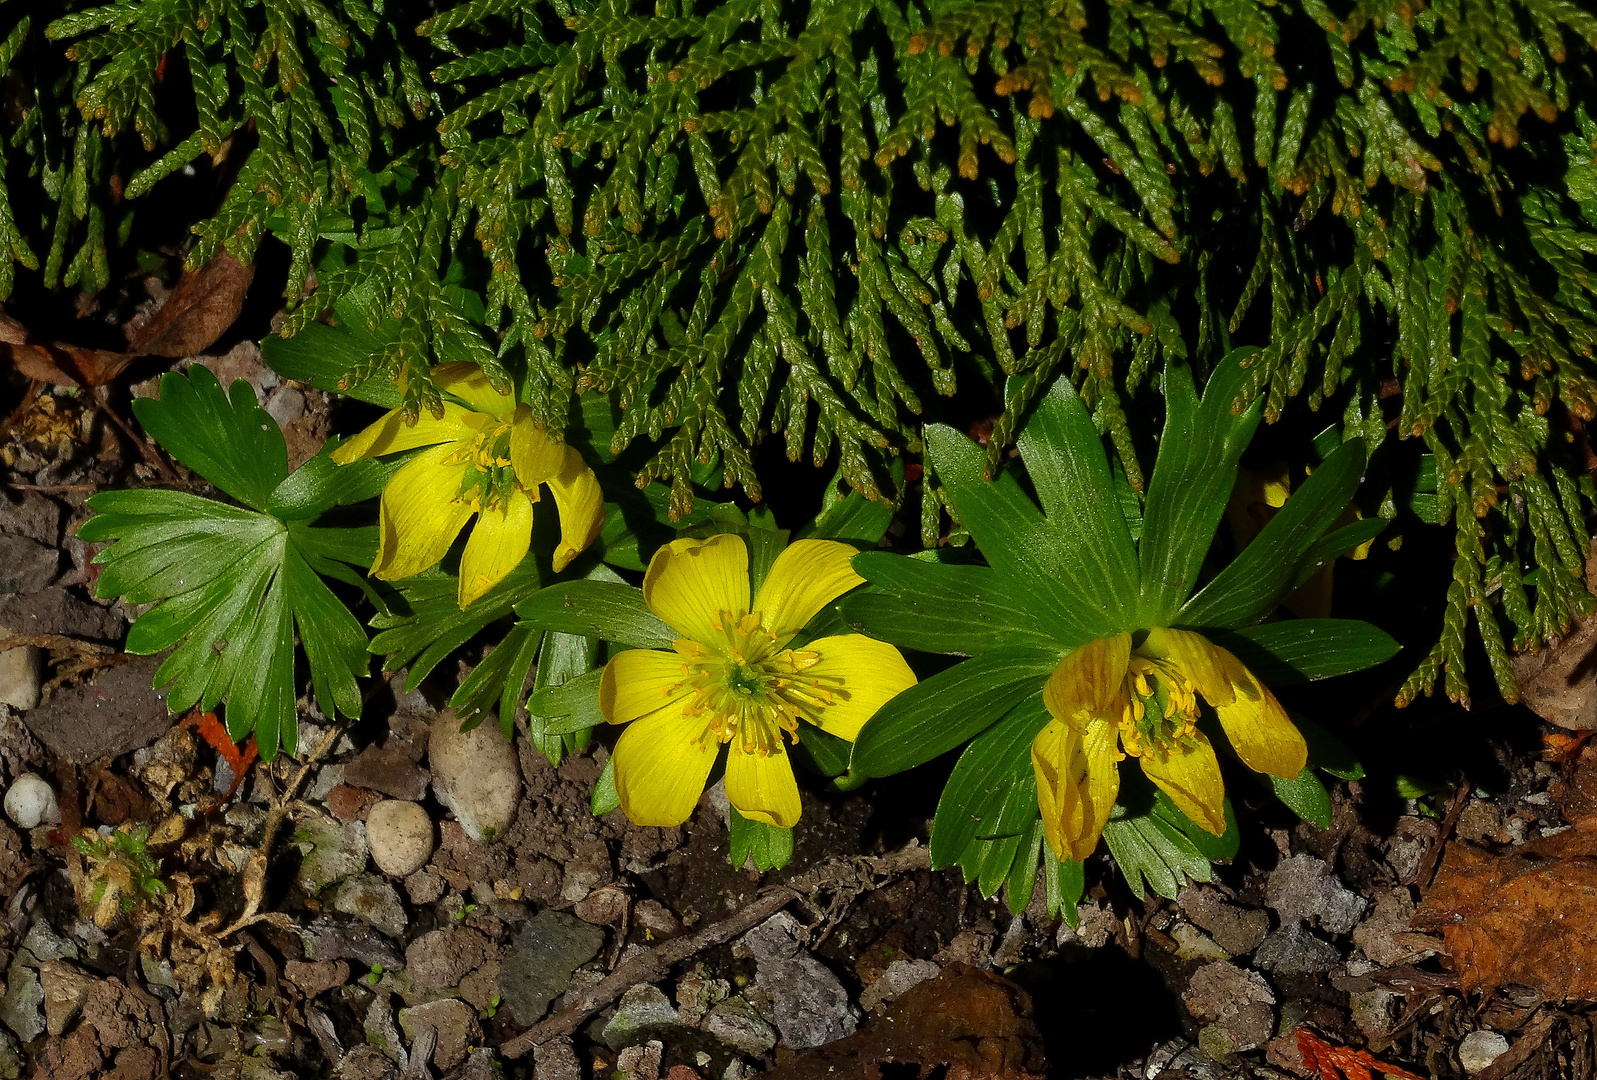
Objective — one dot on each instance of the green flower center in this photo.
(487, 477)
(747, 688)
(1161, 709)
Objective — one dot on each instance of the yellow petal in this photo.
(639, 681)
(691, 582)
(1190, 774)
(534, 453)
(497, 544)
(761, 786)
(1087, 682)
(1258, 728)
(390, 434)
(661, 763)
(807, 575)
(581, 506)
(861, 674)
(1254, 501)
(1077, 782)
(420, 515)
(1198, 659)
(469, 384)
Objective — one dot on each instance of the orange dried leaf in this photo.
(1331, 1062)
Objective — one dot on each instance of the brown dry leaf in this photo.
(1528, 917)
(197, 312)
(975, 1024)
(56, 361)
(1557, 681)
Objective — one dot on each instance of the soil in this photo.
(1314, 952)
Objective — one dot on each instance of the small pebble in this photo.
(30, 802)
(1479, 1049)
(400, 835)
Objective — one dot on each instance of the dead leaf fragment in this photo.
(1557, 681)
(56, 361)
(975, 1025)
(1527, 917)
(198, 311)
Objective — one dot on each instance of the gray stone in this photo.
(640, 1062)
(118, 712)
(1235, 929)
(810, 1006)
(1295, 950)
(1095, 925)
(22, 1009)
(333, 851)
(400, 835)
(1479, 1049)
(538, 965)
(332, 938)
(643, 1011)
(365, 1063)
(439, 960)
(26, 566)
(381, 1032)
(735, 1023)
(45, 944)
(1303, 889)
(452, 1020)
(371, 899)
(474, 774)
(1385, 936)
(65, 990)
(898, 977)
(1235, 1007)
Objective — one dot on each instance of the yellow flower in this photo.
(732, 679)
(1109, 700)
(487, 458)
(1254, 501)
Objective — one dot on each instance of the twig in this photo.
(1427, 867)
(53, 489)
(147, 452)
(654, 964)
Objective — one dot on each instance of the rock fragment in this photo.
(809, 1005)
(21, 674)
(474, 774)
(372, 900)
(538, 965)
(1303, 889)
(1479, 1049)
(30, 802)
(1235, 929)
(453, 1021)
(1236, 1008)
(642, 1012)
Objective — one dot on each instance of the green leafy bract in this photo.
(1085, 564)
(230, 587)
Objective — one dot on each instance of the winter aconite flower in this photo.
(732, 678)
(486, 458)
(1111, 700)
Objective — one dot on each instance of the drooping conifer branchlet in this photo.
(755, 218)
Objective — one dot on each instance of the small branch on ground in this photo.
(844, 877)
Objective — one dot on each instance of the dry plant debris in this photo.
(1331, 1062)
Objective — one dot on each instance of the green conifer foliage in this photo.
(761, 218)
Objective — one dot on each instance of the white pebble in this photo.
(30, 802)
(475, 775)
(1479, 1049)
(400, 835)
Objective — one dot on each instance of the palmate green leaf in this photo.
(1264, 572)
(610, 610)
(1303, 650)
(230, 588)
(424, 622)
(1327, 752)
(921, 603)
(849, 516)
(1154, 854)
(766, 846)
(1200, 448)
(232, 443)
(497, 681)
(570, 706)
(319, 485)
(321, 356)
(939, 713)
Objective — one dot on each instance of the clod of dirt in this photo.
(438, 960)
(57, 611)
(1303, 889)
(1385, 936)
(1295, 950)
(809, 1005)
(65, 990)
(30, 802)
(602, 907)
(21, 674)
(643, 1012)
(400, 835)
(26, 566)
(1529, 916)
(371, 899)
(1479, 1049)
(474, 775)
(316, 976)
(392, 768)
(537, 967)
(454, 1023)
(329, 938)
(556, 1060)
(972, 1023)
(1235, 929)
(1235, 1007)
(897, 979)
(22, 1007)
(115, 714)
